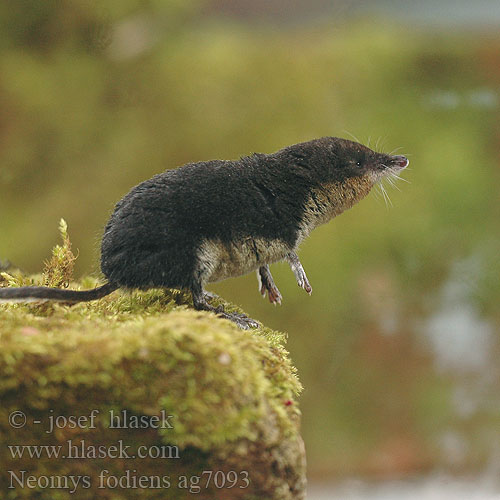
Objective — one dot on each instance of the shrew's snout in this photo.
(400, 161)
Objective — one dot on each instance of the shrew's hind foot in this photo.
(201, 304)
(266, 284)
(242, 320)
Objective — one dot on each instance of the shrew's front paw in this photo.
(298, 271)
(303, 282)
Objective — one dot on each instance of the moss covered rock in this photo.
(206, 409)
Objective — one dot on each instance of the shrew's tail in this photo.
(41, 293)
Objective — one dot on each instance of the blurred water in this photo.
(481, 98)
(461, 340)
(465, 347)
(436, 487)
(444, 12)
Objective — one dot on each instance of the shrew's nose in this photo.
(400, 161)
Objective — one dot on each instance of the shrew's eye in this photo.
(358, 164)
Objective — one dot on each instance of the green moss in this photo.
(59, 269)
(208, 365)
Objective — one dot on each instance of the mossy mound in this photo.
(139, 396)
(231, 395)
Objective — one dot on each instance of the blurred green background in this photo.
(398, 346)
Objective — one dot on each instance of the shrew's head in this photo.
(351, 159)
(336, 160)
(339, 174)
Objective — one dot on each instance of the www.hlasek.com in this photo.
(81, 450)
(130, 480)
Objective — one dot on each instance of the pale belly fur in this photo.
(218, 261)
